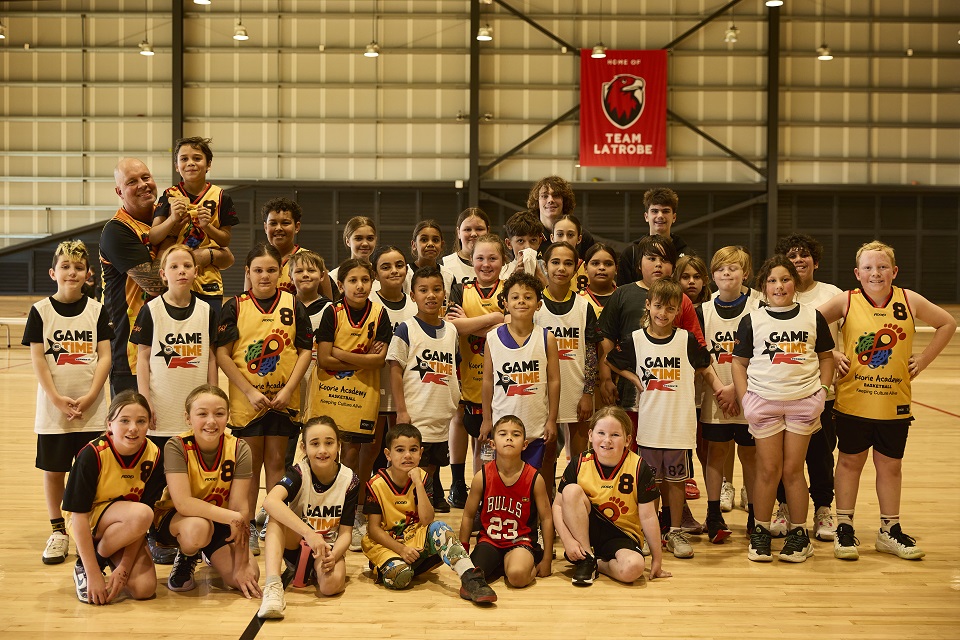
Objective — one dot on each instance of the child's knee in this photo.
(143, 587)
(396, 574)
(331, 585)
(140, 515)
(631, 567)
(195, 533)
(519, 575)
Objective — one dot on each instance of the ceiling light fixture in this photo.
(201, 1)
(145, 48)
(823, 52)
(373, 49)
(240, 32)
(733, 33)
(485, 34)
(774, 3)
(599, 51)
(3, 32)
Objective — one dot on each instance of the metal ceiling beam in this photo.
(543, 130)
(773, 125)
(570, 48)
(473, 183)
(706, 136)
(176, 107)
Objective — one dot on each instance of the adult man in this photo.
(553, 198)
(660, 212)
(130, 264)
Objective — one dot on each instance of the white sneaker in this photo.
(845, 543)
(823, 526)
(727, 492)
(359, 530)
(273, 603)
(645, 549)
(261, 522)
(58, 545)
(898, 543)
(781, 521)
(678, 544)
(744, 498)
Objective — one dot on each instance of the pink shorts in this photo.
(770, 417)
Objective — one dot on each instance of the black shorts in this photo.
(489, 558)
(219, 539)
(56, 451)
(739, 433)
(888, 437)
(357, 438)
(472, 418)
(606, 538)
(435, 453)
(271, 423)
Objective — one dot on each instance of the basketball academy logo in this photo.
(623, 99)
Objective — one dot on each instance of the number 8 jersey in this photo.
(615, 492)
(508, 515)
(210, 484)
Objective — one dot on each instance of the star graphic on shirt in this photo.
(55, 349)
(717, 350)
(423, 367)
(646, 375)
(505, 382)
(771, 350)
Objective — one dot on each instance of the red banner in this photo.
(623, 109)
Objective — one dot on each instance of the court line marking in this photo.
(936, 409)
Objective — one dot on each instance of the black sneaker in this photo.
(585, 571)
(80, 580)
(181, 576)
(440, 505)
(845, 543)
(797, 547)
(160, 553)
(474, 587)
(759, 550)
(717, 529)
(458, 495)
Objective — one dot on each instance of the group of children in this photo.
(412, 360)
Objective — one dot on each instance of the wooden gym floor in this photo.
(717, 594)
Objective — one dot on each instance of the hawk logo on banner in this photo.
(623, 100)
(623, 109)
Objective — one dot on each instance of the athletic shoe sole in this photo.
(756, 557)
(797, 557)
(722, 535)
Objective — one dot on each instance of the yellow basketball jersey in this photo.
(264, 353)
(285, 283)
(400, 518)
(208, 484)
(209, 281)
(614, 496)
(351, 398)
(580, 279)
(119, 480)
(879, 342)
(475, 303)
